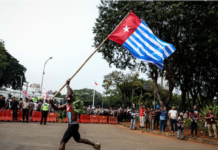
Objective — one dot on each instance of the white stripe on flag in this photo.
(130, 44)
(150, 47)
(152, 40)
(139, 45)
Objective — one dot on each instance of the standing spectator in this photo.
(124, 114)
(21, 104)
(89, 110)
(45, 109)
(151, 116)
(25, 109)
(133, 116)
(210, 117)
(35, 106)
(32, 106)
(14, 104)
(147, 118)
(2, 102)
(163, 118)
(121, 114)
(39, 105)
(180, 125)
(194, 120)
(142, 118)
(157, 116)
(6, 104)
(173, 117)
(185, 115)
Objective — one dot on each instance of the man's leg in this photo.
(85, 141)
(196, 129)
(133, 124)
(15, 110)
(175, 125)
(192, 126)
(27, 115)
(158, 120)
(24, 115)
(42, 117)
(171, 122)
(62, 146)
(209, 129)
(214, 130)
(13, 115)
(46, 114)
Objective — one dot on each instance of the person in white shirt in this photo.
(173, 115)
(35, 106)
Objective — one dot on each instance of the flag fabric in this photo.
(135, 36)
(46, 96)
(96, 83)
(25, 95)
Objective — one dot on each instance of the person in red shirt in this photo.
(142, 117)
(210, 117)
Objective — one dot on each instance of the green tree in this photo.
(124, 82)
(10, 69)
(190, 26)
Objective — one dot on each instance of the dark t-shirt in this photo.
(210, 121)
(14, 104)
(157, 114)
(2, 102)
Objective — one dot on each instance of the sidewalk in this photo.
(187, 134)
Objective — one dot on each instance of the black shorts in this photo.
(72, 131)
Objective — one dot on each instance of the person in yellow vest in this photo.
(45, 109)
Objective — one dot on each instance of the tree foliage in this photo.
(190, 26)
(10, 69)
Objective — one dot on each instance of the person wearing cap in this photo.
(157, 116)
(45, 109)
(25, 109)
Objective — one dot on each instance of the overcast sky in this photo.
(33, 31)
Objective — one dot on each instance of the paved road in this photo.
(32, 136)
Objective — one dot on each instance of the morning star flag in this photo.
(135, 36)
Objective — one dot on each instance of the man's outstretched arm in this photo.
(55, 107)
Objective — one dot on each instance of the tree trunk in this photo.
(182, 104)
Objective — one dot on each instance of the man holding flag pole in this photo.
(135, 36)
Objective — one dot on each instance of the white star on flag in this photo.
(126, 29)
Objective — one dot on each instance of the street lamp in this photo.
(43, 74)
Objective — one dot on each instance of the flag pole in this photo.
(93, 98)
(91, 55)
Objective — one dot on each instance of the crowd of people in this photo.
(152, 118)
(149, 118)
(27, 107)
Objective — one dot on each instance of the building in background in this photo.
(34, 87)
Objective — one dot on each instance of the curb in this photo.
(199, 140)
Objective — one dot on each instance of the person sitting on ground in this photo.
(73, 125)
(180, 125)
(210, 117)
